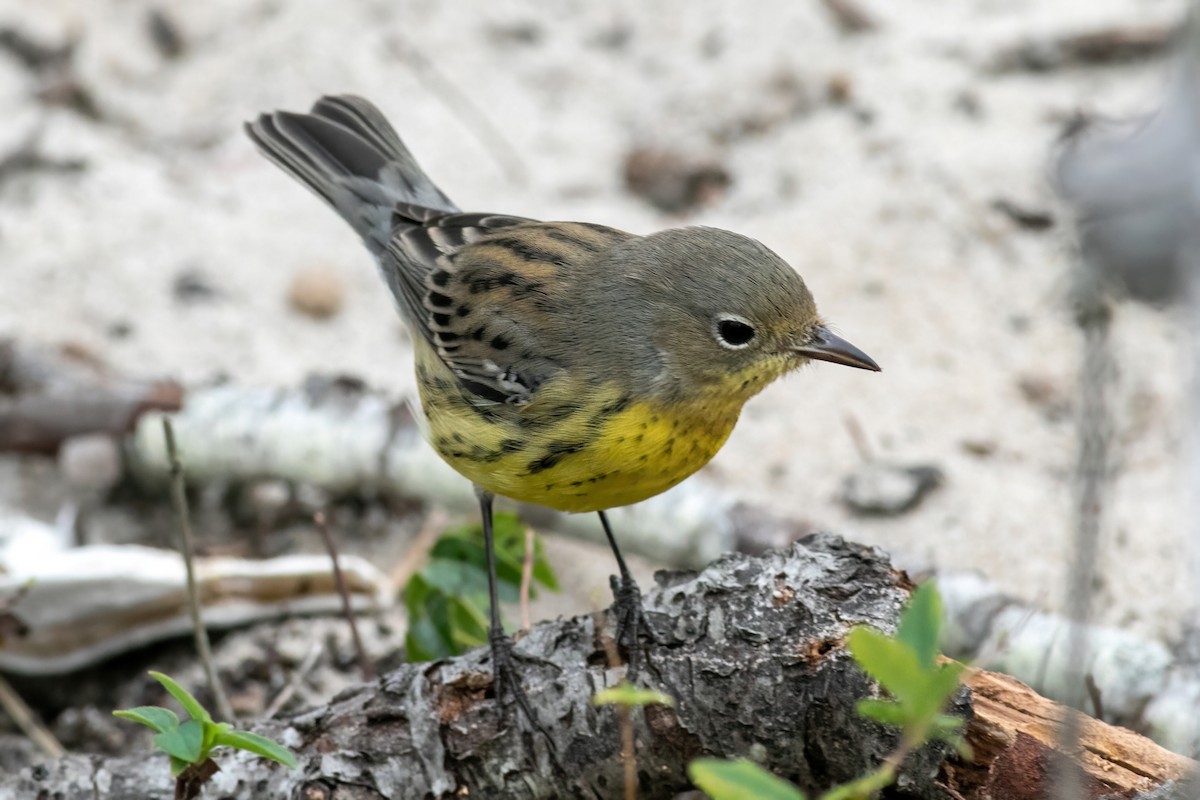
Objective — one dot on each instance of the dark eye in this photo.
(734, 333)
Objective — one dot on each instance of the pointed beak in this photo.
(825, 346)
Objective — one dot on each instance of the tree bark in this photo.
(751, 649)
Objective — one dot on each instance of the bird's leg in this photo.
(504, 672)
(631, 617)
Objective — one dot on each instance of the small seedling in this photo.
(447, 600)
(906, 666)
(738, 779)
(625, 697)
(189, 743)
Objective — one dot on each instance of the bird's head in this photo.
(729, 315)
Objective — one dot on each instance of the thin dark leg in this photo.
(504, 672)
(631, 617)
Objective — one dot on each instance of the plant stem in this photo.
(23, 716)
(624, 714)
(179, 497)
(364, 663)
(526, 578)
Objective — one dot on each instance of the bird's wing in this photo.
(495, 295)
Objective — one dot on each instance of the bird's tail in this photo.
(346, 152)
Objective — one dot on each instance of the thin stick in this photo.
(281, 700)
(526, 578)
(859, 437)
(627, 753)
(23, 715)
(624, 715)
(364, 663)
(1093, 317)
(179, 498)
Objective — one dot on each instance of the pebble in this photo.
(317, 292)
(885, 490)
(91, 462)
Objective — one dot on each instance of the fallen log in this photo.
(48, 395)
(752, 650)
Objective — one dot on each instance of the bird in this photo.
(567, 364)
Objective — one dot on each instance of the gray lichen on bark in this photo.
(752, 650)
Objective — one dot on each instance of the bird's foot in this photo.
(632, 625)
(507, 684)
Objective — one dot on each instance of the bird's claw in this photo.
(632, 624)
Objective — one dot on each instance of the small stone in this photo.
(980, 448)
(193, 286)
(1046, 394)
(878, 489)
(839, 88)
(317, 291)
(1024, 216)
(164, 33)
(673, 182)
(269, 496)
(91, 462)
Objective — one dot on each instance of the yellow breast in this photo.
(574, 448)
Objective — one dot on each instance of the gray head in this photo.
(729, 316)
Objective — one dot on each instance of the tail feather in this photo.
(350, 156)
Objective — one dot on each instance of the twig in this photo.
(1093, 316)
(23, 716)
(464, 108)
(179, 498)
(850, 17)
(859, 437)
(364, 663)
(281, 700)
(414, 557)
(624, 717)
(628, 757)
(526, 577)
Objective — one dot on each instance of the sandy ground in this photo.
(883, 203)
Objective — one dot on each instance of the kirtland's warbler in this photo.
(562, 363)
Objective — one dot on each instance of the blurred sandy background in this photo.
(870, 161)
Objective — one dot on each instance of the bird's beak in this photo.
(824, 346)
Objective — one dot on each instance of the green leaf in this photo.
(259, 745)
(739, 780)
(863, 787)
(468, 624)
(466, 544)
(190, 704)
(178, 766)
(456, 577)
(424, 642)
(885, 711)
(921, 623)
(893, 664)
(543, 573)
(628, 695)
(185, 743)
(943, 724)
(416, 593)
(942, 685)
(160, 719)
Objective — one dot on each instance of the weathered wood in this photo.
(752, 650)
(1014, 731)
(48, 395)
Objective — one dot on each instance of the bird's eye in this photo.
(734, 333)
